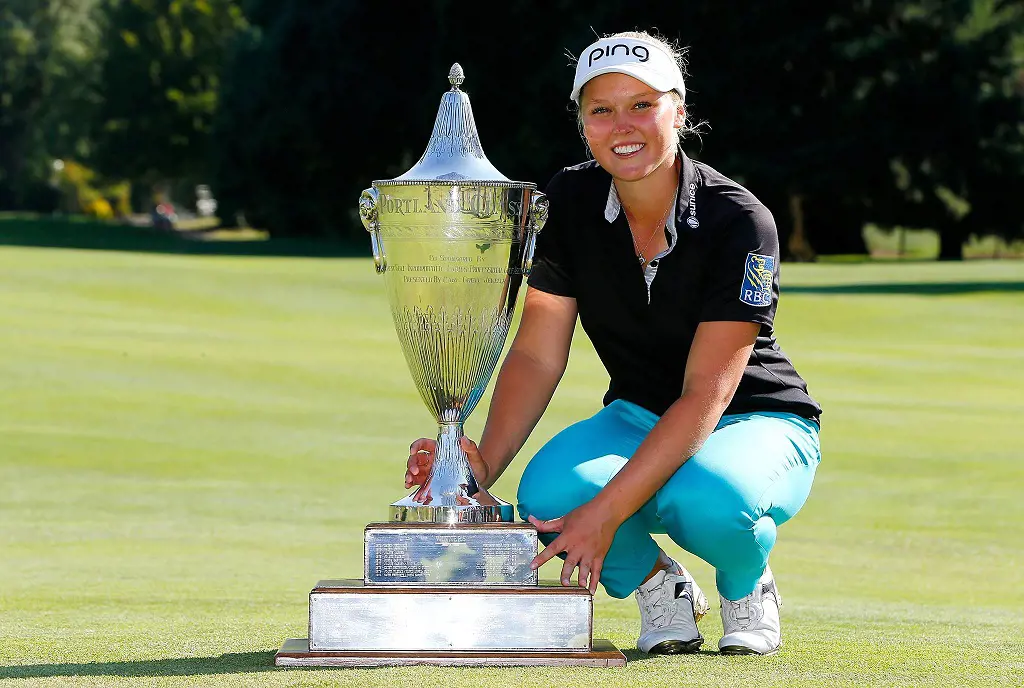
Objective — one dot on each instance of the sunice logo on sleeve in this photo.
(758, 277)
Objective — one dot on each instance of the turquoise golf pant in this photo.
(724, 504)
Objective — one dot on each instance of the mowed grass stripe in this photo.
(187, 444)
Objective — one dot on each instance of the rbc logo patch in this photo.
(758, 276)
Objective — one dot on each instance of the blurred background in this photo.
(868, 127)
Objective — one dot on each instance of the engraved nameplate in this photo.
(431, 554)
(347, 615)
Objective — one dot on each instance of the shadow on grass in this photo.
(919, 288)
(635, 655)
(230, 663)
(74, 233)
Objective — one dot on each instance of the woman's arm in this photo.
(527, 379)
(718, 357)
(714, 367)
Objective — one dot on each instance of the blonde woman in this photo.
(707, 432)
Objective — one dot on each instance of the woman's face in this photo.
(630, 128)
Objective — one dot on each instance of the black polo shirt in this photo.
(722, 264)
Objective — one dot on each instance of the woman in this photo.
(707, 432)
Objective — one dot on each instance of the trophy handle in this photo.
(368, 215)
(538, 217)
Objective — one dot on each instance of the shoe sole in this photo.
(676, 647)
(736, 650)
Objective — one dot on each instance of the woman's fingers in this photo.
(422, 444)
(584, 574)
(419, 462)
(476, 461)
(421, 458)
(552, 526)
(595, 575)
(421, 455)
(568, 567)
(547, 554)
(556, 546)
(484, 497)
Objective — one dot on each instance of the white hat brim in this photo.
(656, 79)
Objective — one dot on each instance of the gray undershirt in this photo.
(613, 207)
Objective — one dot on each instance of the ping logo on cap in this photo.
(640, 52)
(758, 277)
(650, 62)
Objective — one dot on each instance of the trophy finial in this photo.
(454, 153)
(456, 76)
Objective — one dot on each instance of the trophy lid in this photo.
(454, 154)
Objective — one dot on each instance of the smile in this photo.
(628, 149)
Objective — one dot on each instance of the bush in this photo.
(84, 191)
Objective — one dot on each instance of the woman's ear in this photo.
(680, 119)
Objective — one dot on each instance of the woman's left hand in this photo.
(585, 535)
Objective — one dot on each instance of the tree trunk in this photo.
(832, 229)
(951, 241)
(799, 248)
(11, 165)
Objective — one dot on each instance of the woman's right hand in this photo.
(421, 459)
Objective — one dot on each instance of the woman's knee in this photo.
(702, 501)
(721, 526)
(550, 488)
(546, 493)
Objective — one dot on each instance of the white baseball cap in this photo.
(644, 60)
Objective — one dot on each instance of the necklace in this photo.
(640, 251)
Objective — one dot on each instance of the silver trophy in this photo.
(453, 238)
(447, 579)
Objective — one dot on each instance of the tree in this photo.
(322, 98)
(841, 113)
(835, 114)
(948, 94)
(47, 76)
(160, 78)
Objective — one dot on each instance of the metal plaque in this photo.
(439, 555)
(345, 615)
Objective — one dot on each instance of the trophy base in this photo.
(409, 511)
(350, 616)
(295, 652)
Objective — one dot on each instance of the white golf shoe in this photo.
(751, 625)
(670, 604)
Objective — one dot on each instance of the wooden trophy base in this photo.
(295, 653)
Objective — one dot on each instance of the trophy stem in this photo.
(451, 477)
(451, 493)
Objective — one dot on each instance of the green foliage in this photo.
(898, 113)
(813, 106)
(160, 78)
(83, 191)
(838, 114)
(948, 99)
(322, 98)
(47, 74)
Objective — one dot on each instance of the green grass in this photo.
(197, 237)
(188, 443)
